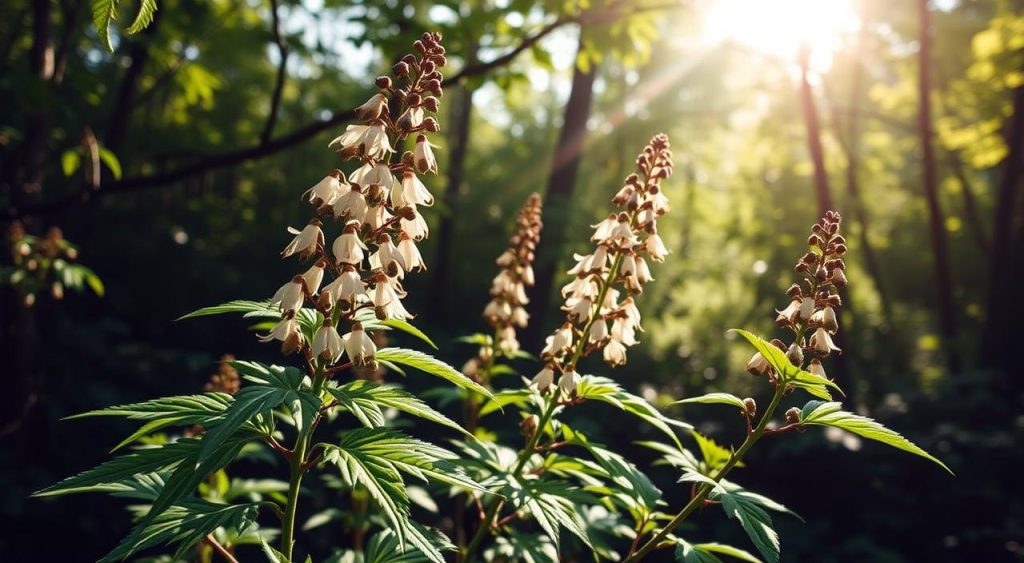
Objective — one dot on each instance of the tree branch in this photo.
(271, 146)
(282, 75)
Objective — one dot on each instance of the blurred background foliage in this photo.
(175, 163)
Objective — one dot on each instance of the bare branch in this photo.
(282, 75)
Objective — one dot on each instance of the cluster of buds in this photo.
(226, 380)
(812, 307)
(378, 209)
(38, 262)
(623, 240)
(506, 310)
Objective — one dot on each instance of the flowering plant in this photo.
(332, 316)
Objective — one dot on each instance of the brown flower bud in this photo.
(430, 124)
(793, 415)
(383, 82)
(431, 103)
(750, 406)
(401, 69)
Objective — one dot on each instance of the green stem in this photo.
(552, 404)
(297, 470)
(706, 489)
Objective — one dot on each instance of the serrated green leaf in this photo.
(619, 470)
(706, 553)
(551, 504)
(240, 306)
(813, 384)
(431, 365)
(364, 399)
(607, 391)
(144, 17)
(103, 13)
(185, 410)
(125, 467)
(755, 521)
(408, 328)
(185, 524)
(517, 397)
(830, 414)
(715, 398)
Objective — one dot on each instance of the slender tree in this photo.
(940, 248)
(560, 187)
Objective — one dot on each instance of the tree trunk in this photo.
(138, 56)
(1003, 312)
(940, 251)
(462, 113)
(810, 118)
(558, 202)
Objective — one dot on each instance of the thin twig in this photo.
(220, 549)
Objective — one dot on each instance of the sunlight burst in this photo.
(779, 27)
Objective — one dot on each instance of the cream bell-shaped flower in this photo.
(579, 311)
(757, 365)
(289, 297)
(371, 140)
(826, 318)
(287, 331)
(423, 156)
(350, 203)
(656, 248)
(544, 379)
(372, 108)
(604, 230)
(387, 257)
(624, 332)
(598, 331)
(791, 313)
(821, 341)
(377, 216)
(305, 242)
(568, 382)
(313, 276)
(359, 347)
(373, 175)
(346, 287)
(416, 228)
(806, 308)
(411, 191)
(411, 254)
(326, 190)
(614, 353)
(520, 317)
(348, 249)
(387, 301)
(558, 342)
(327, 343)
(816, 368)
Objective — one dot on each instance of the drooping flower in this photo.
(372, 108)
(757, 365)
(359, 347)
(411, 254)
(412, 191)
(559, 342)
(313, 276)
(288, 332)
(423, 156)
(326, 190)
(305, 242)
(821, 341)
(327, 343)
(568, 382)
(371, 140)
(544, 378)
(348, 248)
(289, 297)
